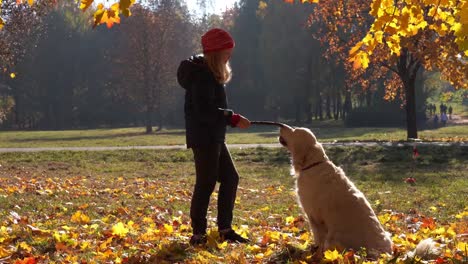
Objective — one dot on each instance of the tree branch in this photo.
(389, 67)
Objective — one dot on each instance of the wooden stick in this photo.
(269, 123)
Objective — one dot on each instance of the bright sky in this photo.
(217, 6)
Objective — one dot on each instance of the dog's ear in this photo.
(302, 154)
(306, 148)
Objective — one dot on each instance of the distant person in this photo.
(450, 110)
(441, 108)
(206, 116)
(443, 119)
(436, 121)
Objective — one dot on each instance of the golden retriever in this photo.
(338, 213)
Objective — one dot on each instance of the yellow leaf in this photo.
(462, 246)
(355, 48)
(30, 2)
(375, 7)
(60, 236)
(332, 255)
(4, 252)
(169, 229)
(289, 220)
(379, 36)
(439, 231)
(25, 246)
(363, 59)
(85, 4)
(269, 252)
(223, 245)
(85, 245)
(80, 218)
(1, 23)
(465, 213)
(119, 230)
(253, 249)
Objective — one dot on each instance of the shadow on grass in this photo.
(290, 254)
(174, 252)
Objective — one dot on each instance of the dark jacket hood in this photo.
(191, 69)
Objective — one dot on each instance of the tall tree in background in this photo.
(22, 31)
(247, 88)
(153, 39)
(291, 69)
(394, 40)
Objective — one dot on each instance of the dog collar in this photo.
(313, 165)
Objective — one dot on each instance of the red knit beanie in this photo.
(216, 39)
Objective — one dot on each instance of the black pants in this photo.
(213, 163)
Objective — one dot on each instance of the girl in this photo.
(206, 117)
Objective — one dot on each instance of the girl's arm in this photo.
(204, 106)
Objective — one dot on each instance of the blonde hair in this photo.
(221, 71)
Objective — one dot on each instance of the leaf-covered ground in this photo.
(132, 206)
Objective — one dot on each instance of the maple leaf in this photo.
(119, 230)
(85, 4)
(80, 218)
(30, 260)
(332, 255)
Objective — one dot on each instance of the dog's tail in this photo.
(426, 249)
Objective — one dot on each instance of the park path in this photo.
(233, 146)
(458, 120)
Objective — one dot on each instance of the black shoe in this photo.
(198, 240)
(232, 236)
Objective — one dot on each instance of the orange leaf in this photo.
(26, 261)
(429, 223)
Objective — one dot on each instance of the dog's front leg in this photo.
(319, 231)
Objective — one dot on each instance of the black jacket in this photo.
(206, 113)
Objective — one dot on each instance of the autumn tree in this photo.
(394, 40)
(22, 29)
(153, 39)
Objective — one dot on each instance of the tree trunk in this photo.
(408, 67)
(347, 105)
(328, 106)
(411, 121)
(368, 98)
(148, 119)
(336, 108)
(320, 107)
(297, 101)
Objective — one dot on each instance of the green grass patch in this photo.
(332, 131)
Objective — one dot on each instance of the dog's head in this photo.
(303, 146)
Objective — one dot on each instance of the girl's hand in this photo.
(243, 123)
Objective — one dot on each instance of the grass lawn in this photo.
(137, 137)
(132, 206)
